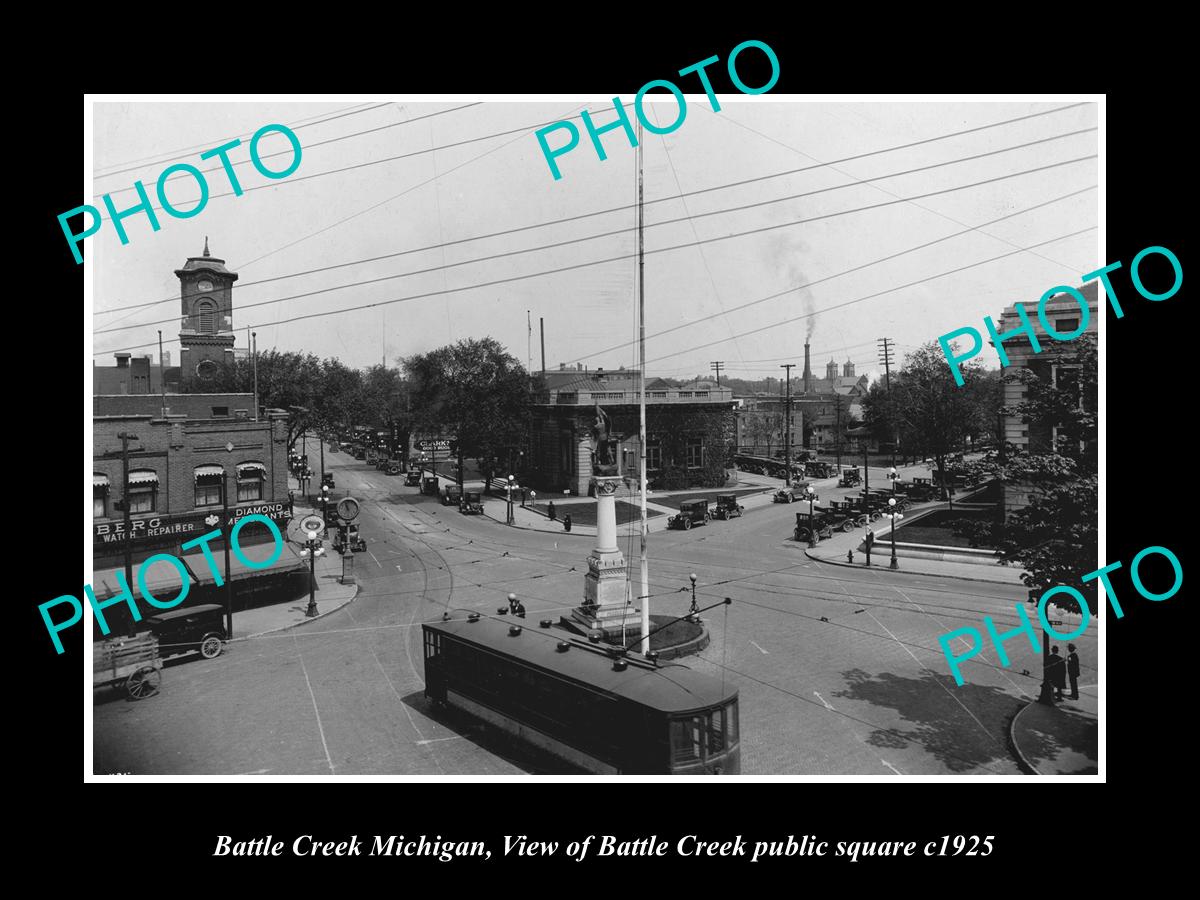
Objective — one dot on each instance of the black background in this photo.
(1039, 826)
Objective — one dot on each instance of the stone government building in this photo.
(690, 429)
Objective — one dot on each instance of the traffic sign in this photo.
(312, 523)
(347, 508)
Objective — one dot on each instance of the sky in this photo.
(818, 252)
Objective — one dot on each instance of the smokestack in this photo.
(807, 370)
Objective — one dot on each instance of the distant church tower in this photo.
(831, 371)
(848, 369)
(206, 331)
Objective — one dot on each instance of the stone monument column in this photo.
(605, 584)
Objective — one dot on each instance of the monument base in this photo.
(608, 620)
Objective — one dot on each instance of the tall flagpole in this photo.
(642, 399)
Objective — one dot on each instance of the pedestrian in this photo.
(519, 610)
(291, 502)
(550, 511)
(567, 522)
(1058, 673)
(1073, 671)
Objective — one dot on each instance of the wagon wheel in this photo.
(143, 683)
(687, 524)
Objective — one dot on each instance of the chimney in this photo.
(122, 360)
(807, 371)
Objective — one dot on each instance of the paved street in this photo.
(839, 670)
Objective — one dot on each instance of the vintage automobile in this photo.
(851, 477)
(845, 519)
(413, 478)
(347, 538)
(200, 628)
(472, 504)
(691, 512)
(791, 494)
(393, 468)
(816, 469)
(451, 495)
(328, 482)
(728, 507)
(807, 524)
(430, 485)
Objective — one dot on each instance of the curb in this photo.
(831, 562)
(328, 612)
(1024, 764)
(571, 533)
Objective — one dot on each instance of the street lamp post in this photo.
(893, 515)
(312, 549)
(512, 483)
(1046, 697)
(812, 525)
(694, 612)
(893, 475)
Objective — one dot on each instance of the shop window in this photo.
(99, 496)
(250, 477)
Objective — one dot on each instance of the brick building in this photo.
(690, 430)
(178, 467)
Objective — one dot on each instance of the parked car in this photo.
(451, 495)
(851, 477)
(430, 486)
(691, 512)
(413, 478)
(806, 525)
(347, 538)
(472, 504)
(200, 628)
(815, 469)
(728, 507)
(393, 468)
(785, 495)
(328, 482)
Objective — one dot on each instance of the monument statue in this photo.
(603, 445)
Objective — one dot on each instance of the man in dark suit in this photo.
(1058, 673)
(1073, 671)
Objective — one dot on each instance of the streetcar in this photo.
(597, 707)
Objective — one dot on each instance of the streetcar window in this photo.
(686, 737)
(716, 731)
(731, 722)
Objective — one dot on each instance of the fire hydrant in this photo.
(849, 556)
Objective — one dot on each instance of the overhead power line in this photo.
(170, 155)
(578, 217)
(694, 243)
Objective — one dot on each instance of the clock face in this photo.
(204, 285)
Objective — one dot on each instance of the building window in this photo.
(99, 496)
(695, 453)
(653, 455)
(143, 491)
(218, 411)
(206, 368)
(206, 317)
(250, 477)
(1065, 326)
(209, 481)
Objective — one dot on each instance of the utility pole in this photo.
(162, 384)
(885, 357)
(717, 366)
(126, 437)
(643, 564)
(787, 452)
(837, 408)
(228, 532)
(254, 354)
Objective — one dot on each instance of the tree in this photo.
(475, 389)
(286, 380)
(932, 414)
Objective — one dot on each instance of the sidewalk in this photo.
(330, 594)
(1061, 739)
(833, 552)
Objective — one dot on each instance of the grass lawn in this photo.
(585, 513)
(710, 496)
(934, 528)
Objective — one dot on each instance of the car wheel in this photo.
(687, 524)
(848, 526)
(210, 647)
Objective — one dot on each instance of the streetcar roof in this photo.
(670, 688)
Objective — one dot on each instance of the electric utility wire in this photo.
(622, 231)
(613, 209)
(169, 155)
(332, 140)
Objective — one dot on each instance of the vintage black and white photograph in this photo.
(731, 434)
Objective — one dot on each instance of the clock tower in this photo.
(206, 330)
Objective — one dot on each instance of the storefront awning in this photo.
(99, 481)
(209, 471)
(251, 470)
(143, 476)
